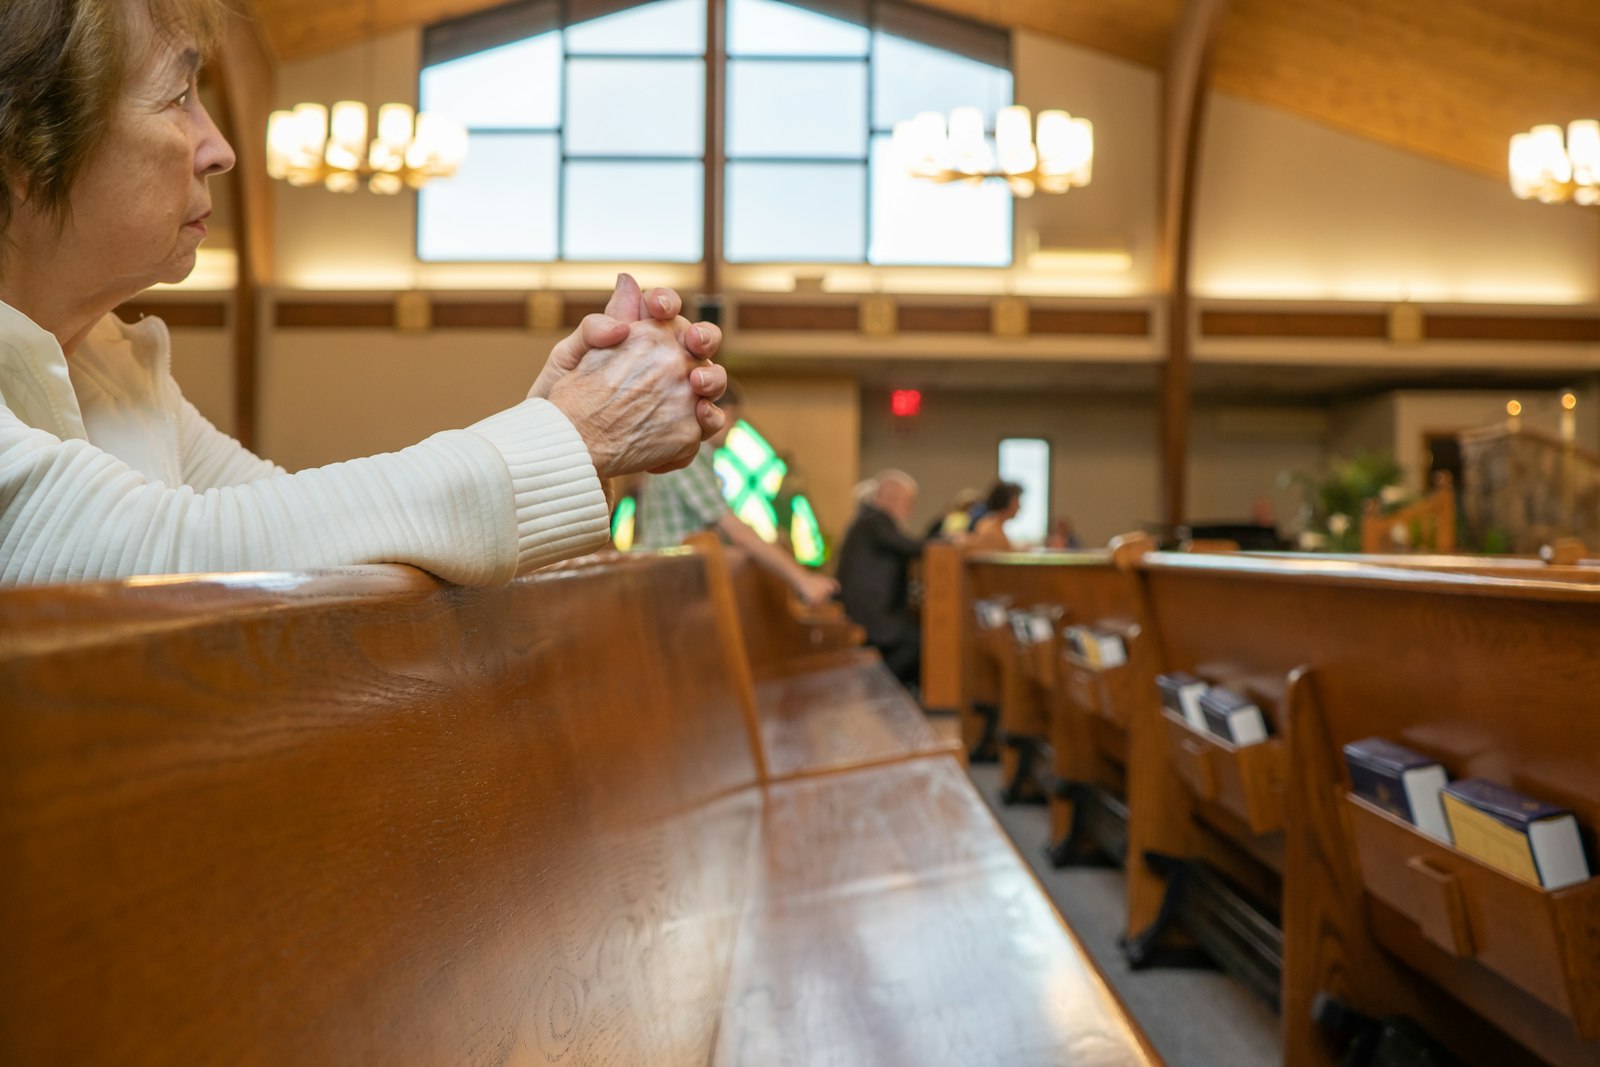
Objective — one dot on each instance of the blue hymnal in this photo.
(1180, 694)
(1233, 717)
(1400, 781)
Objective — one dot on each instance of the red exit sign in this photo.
(906, 402)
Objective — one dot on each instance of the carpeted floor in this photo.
(1195, 1018)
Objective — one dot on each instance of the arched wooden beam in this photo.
(1187, 81)
(245, 84)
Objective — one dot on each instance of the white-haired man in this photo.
(874, 564)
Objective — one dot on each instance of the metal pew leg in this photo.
(1023, 788)
(985, 751)
(1098, 834)
(1231, 932)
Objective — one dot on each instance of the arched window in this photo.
(588, 138)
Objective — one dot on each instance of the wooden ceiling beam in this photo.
(1186, 83)
(296, 29)
(245, 82)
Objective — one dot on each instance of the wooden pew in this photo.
(364, 817)
(822, 701)
(1494, 675)
(959, 675)
(1064, 720)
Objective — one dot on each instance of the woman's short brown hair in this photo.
(62, 65)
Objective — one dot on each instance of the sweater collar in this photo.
(34, 382)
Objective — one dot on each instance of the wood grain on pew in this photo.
(282, 820)
(819, 702)
(874, 940)
(1493, 674)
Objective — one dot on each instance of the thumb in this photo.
(624, 303)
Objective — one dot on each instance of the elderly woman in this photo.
(106, 470)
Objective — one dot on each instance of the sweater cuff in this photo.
(560, 508)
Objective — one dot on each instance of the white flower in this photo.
(1311, 541)
(1390, 495)
(1338, 524)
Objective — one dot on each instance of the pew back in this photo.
(1491, 674)
(283, 819)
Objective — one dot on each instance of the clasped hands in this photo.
(637, 382)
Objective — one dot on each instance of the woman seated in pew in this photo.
(107, 471)
(989, 528)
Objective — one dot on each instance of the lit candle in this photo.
(1569, 418)
(1514, 410)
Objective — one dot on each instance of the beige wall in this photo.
(329, 395)
(202, 362)
(1289, 209)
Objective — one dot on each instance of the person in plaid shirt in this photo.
(687, 501)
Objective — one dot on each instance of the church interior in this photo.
(1257, 729)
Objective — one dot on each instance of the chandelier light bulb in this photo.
(1013, 136)
(313, 145)
(1544, 167)
(1059, 158)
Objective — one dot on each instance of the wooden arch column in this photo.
(1187, 79)
(245, 85)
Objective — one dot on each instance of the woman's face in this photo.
(139, 209)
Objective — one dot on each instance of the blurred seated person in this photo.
(957, 518)
(106, 471)
(1062, 535)
(686, 501)
(999, 507)
(874, 562)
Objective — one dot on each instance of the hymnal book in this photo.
(1098, 648)
(1520, 835)
(1401, 782)
(991, 614)
(1233, 717)
(1181, 692)
(1030, 628)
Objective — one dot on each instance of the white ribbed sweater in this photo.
(107, 471)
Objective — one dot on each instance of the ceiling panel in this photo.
(1450, 79)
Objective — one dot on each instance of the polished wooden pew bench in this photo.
(824, 701)
(365, 817)
(1490, 670)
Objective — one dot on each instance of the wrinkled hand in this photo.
(633, 403)
(697, 344)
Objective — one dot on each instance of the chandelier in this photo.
(1061, 158)
(1545, 169)
(310, 146)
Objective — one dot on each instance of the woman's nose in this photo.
(213, 155)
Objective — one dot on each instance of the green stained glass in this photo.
(805, 534)
(752, 476)
(622, 523)
(757, 514)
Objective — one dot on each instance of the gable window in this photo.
(588, 139)
(586, 133)
(815, 88)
